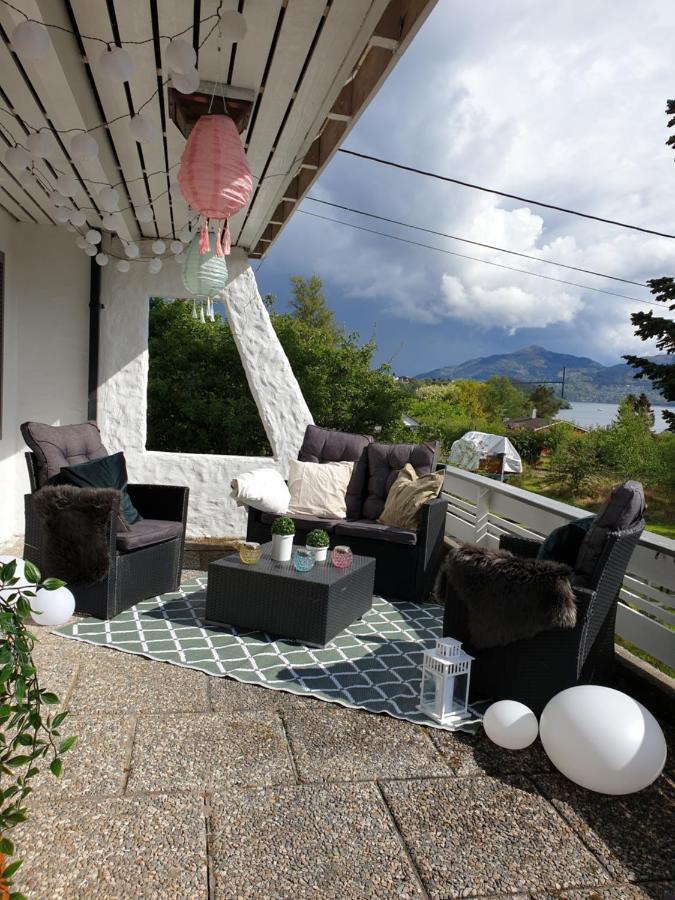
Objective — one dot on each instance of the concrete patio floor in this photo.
(187, 786)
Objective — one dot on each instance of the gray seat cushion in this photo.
(624, 507)
(303, 524)
(146, 532)
(321, 445)
(373, 531)
(385, 461)
(56, 446)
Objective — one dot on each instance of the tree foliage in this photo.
(198, 397)
(648, 326)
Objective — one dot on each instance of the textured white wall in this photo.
(123, 391)
(45, 347)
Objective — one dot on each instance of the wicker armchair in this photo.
(144, 560)
(534, 670)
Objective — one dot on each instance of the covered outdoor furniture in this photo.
(406, 561)
(535, 668)
(144, 558)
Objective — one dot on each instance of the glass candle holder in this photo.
(250, 552)
(303, 560)
(342, 557)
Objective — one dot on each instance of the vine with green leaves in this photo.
(28, 734)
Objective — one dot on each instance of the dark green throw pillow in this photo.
(106, 472)
(562, 544)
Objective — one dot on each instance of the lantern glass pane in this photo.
(429, 691)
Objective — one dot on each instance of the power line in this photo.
(480, 187)
(486, 262)
(454, 237)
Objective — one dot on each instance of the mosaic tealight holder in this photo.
(250, 552)
(342, 557)
(303, 560)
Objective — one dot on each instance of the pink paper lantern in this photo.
(214, 177)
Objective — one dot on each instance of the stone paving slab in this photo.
(114, 849)
(122, 683)
(633, 835)
(470, 754)
(57, 662)
(319, 841)
(95, 764)
(230, 696)
(336, 744)
(208, 751)
(654, 890)
(483, 835)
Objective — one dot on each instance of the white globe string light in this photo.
(83, 147)
(102, 259)
(132, 250)
(123, 265)
(232, 25)
(116, 64)
(109, 222)
(30, 40)
(154, 266)
(77, 218)
(66, 185)
(144, 214)
(108, 199)
(142, 128)
(176, 246)
(61, 214)
(93, 236)
(185, 84)
(16, 159)
(41, 144)
(180, 56)
(90, 251)
(159, 247)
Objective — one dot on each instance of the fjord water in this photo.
(589, 415)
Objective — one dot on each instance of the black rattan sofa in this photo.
(537, 668)
(406, 561)
(144, 559)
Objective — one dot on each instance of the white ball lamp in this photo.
(510, 724)
(116, 64)
(131, 250)
(83, 147)
(154, 266)
(102, 259)
(144, 214)
(41, 144)
(602, 739)
(142, 128)
(90, 250)
(93, 236)
(109, 222)
(233, 25)
(158, 247)
(176, 247)
(61, 214)
(185, 84)
(77, 218)
(66, 185)
(180, 56)
(17, 159)
(52, 607)
(108, 199)
(30, 40)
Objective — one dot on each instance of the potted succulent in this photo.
(317, 543)
(283, 532)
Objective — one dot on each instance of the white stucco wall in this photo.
(122, 411)
(45, 347)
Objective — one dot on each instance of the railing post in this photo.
(482, 513)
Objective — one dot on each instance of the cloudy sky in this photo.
(559, 102)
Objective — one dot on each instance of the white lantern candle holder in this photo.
(446, 673)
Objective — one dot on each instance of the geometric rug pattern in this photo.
(375, 664)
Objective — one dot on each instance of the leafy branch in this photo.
(28, 735)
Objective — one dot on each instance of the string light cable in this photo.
(487, 262)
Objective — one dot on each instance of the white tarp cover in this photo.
(467, 452)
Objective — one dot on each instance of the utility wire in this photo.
(454, 237)
(393, 237)
(480, 187)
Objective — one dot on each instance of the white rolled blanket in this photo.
(263, 489)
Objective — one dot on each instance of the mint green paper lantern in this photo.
(204, 274)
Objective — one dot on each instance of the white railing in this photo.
(480, 510)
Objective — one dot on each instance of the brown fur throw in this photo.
(76, 531)
(505, 598)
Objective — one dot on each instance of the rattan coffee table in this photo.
(312, 607)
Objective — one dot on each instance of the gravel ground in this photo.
(185, 786)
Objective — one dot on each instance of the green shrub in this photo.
(317, 538)
(283, 525)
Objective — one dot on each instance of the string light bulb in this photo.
(16, 159)
(180, 56)
(83, 147)
(132, 250)
(93, 236)
(77, 218)
(116, 64)
(158, 247)
(186, 84)
(144, 214)
(142, 128)
(41, 144)
(102, 259)
(108, 199)
(30, 40)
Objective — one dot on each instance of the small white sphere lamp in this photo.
(93, 236)
(116, 64)
(142, 128)
(16, 159)
(108, 199)
(52, 607)
(30, 40)
(131, 250)
(41, 144)
(180, 56)
(510, 724)
(159, 247)
(185, 84)
(144, 214)
(77, 218)
(102, 259)
(83, 147)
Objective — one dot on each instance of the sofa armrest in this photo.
(160, 501)
(524, 547)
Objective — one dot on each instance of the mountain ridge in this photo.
(586, 379)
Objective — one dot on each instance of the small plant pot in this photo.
(282, 547)
(319, 553)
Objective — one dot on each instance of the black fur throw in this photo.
(505, 598)
(76, 531)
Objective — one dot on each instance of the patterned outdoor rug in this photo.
(375, 664)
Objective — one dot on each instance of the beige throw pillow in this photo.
(319, 489)
(407, 495)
